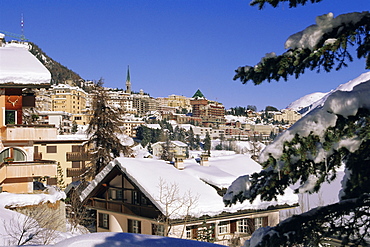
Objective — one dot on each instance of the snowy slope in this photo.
(305, 101)
(314, 100)
(19, 66)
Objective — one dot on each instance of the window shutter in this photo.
(139, 224)
(265, 221)
(194, 232)
(232, 226)
(251, 225)
(100, 219)
(129, 223)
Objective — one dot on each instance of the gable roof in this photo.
(194, 180)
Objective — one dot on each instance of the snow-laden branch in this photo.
(340, 220)
(323, 45)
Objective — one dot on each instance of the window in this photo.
(258, 222)
(51, 149)
(135, 197)
(13, 153)
(134, 226)
(104, 220)
(158, 229)
(75, 164)
(223, 227)
(242, 225)
(10, 117)
(188, 232)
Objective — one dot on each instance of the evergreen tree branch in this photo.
(348, 221)
(330, 52)
(275, 3)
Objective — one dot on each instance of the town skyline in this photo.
(177, 47)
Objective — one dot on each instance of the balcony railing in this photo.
(75, 172)
(13, 132)
(78, 156)
(126, 208)
(21, 169)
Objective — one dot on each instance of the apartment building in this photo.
(288, 116)
(211, 112)
(68, 98)
(20, 74)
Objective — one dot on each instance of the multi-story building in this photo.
(176, 102)
(62, 120)
(68, 98)
(20, 73)
(211, 112)
(288, 116)
(143, 103)
(121, 99)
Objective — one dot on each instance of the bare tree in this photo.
(77, 213)
(35, 226)
(176, 205)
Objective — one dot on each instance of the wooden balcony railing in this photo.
(126, 208)
(78, 156)
(75, 172)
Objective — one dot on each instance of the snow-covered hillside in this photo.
(311, 101)
(305, 101)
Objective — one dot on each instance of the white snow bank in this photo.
(11, 200)
(108, 239)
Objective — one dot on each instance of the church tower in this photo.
(128, 81)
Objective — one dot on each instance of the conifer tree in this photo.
(105, 130)
(312, 158)
(207, 143)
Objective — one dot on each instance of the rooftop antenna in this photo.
(23, 38)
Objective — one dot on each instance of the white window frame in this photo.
(223, 227)
(242, 226)
(135, 226)
(188, 232)
(258, 222)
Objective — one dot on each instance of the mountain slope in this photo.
(59, 73)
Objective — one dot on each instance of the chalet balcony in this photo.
(125, 208)
(19, 132)
(78, 156)
(23, 169)
(75, 172)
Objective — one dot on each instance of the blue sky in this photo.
(177, 46)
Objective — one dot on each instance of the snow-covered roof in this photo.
(19, 67)
(193, 179)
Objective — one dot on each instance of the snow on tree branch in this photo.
(320, 46)
(341, 220)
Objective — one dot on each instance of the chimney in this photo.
(179, 161)
(204, 159)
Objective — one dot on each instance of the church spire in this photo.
(128, 81)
